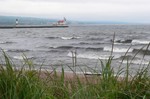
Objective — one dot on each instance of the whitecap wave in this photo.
(18, 57)
(140, 42)
(69, 38)
(115, 49)
(2, 42)
(22, 57)
(123, 41)
(136, 62)
(92, 56)
(5, 42)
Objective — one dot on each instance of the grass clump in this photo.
(33, 84)
(18, 84)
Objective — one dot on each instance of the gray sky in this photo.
(91, 10)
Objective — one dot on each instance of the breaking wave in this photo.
(117, 49)
(64, 38)
(136, 62)
(21, 57)
(6, 42)
(123, 41)
(140, 42)
(93, 56)
(69, 38)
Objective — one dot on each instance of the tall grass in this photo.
(33, 84)
(18, 84)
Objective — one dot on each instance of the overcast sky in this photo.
(83, 10)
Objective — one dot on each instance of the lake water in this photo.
(52, 47)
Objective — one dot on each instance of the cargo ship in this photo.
(58, 24)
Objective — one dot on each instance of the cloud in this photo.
(117, 10)
(96, 1)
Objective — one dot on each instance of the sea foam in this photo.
(140, 42)
(92, 56)
(117, 49)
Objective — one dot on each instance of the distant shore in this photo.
(33, 26)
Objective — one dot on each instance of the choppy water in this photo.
(53, 46)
